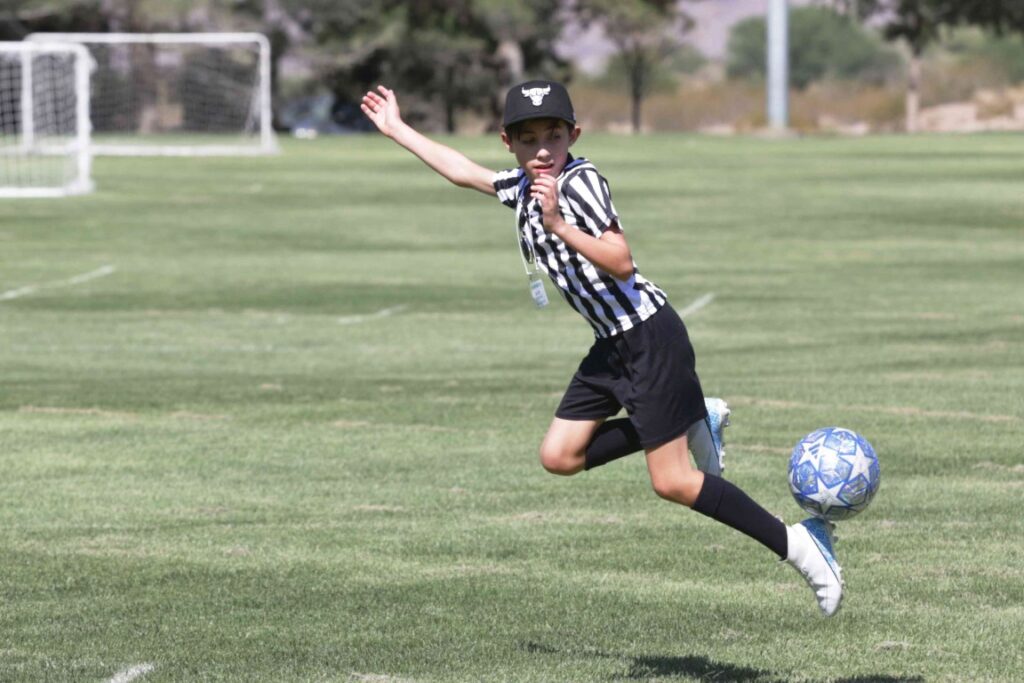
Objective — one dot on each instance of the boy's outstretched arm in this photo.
(382, 109)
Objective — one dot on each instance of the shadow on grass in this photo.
(701, 668)
(694, 666)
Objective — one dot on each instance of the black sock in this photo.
(611, 441)
(725, 502)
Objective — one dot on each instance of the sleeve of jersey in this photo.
(591, 200)
(506, 184)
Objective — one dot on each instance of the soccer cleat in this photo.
(718, 416)
(810, 552)
(705, 437)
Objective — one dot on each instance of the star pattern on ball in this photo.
(861, 464)
(810, 451)
(828, 497)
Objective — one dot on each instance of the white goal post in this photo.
(178, 94)
(44, 120)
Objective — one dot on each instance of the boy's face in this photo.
(541, 146)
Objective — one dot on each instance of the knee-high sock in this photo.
(725, 502)
(612, 440)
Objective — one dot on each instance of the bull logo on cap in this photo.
(536, 95)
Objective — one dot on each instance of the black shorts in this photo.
(650, 371)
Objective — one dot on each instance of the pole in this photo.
(83, 117)
(778, 65)
(28, 122)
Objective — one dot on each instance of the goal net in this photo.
(184, 94)
(44, 120)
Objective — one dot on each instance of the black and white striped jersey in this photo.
(611, 306)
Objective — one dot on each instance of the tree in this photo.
(822, 43)
(645, 33)
(998, 15)
(18, 18)
(443, 56)
(918, 23)
(524, 36)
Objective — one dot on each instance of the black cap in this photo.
(537, 100)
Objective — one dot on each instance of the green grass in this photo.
(211, 463)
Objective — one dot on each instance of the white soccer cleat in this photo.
(718, 416)
(705, 437)
(811, 554)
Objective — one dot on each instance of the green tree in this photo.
(664, 77)
(923, 19)
(443, 56)
(646, 33)
(21, 17)
(822, 42)
(448, 64)
(524, 34)
(1004, 52)
(918, 23)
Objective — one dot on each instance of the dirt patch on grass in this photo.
(201, 417)
(457, 570)
(351, 424)
(54, 410)
(762, 448)
(535, 516)
(996, 467)
(944, 414)
(909, 411)
(766, 402)
(378, 508)
(362, 424)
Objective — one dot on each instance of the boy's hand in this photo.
(382, 110)
(545, 191)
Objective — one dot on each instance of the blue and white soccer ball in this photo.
(833, 473)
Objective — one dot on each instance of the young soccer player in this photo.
(641, 359)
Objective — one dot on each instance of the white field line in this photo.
(76, 280)
(92, 275)
(697, 304)
(382, 313)
(131, 673)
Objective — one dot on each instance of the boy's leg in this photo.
(806, 546)
(618, 438)
(675, 479)
(563, 450)
(612, 440)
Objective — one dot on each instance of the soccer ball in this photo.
(833, 473)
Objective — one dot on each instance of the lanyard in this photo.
(540, 297)
(526, 236)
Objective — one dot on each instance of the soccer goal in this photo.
(180, 94)
(44, 120)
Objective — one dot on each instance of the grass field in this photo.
(276, 420)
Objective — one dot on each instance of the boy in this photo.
(641, 359)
